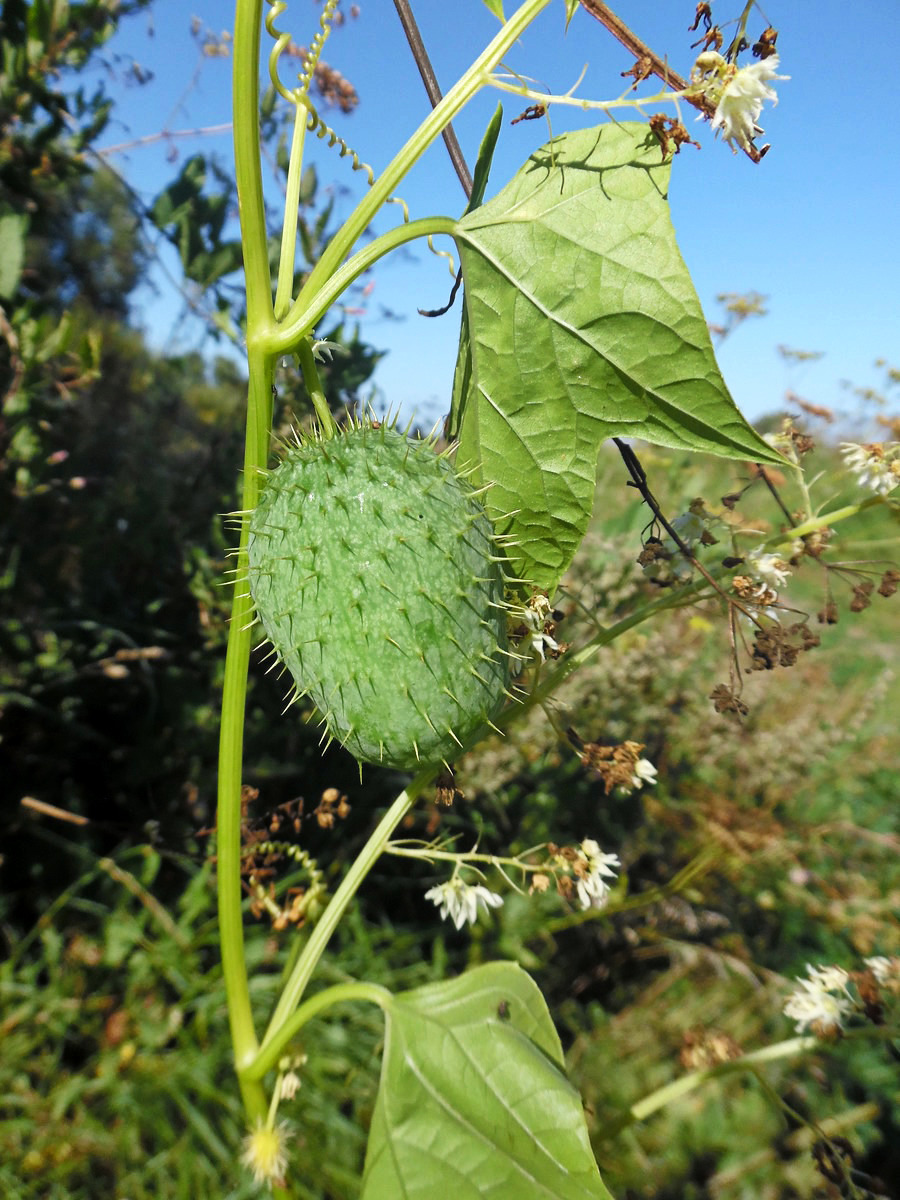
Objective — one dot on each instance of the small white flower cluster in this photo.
(737, 92)
(875, 465)
(534, 616)
(769, 569)
(760, 577)
(592, 870)
(886, 971)
(822, 1000)
(671, 565)
(459, 900)
(644, 772)
(265, 1152)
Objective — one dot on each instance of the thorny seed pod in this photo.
(377, 579)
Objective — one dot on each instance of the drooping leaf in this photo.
(496, 7)
(473, 1101)
(463, 375)
(584, 324)
(485, 158)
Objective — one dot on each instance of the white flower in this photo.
(290, 1085)
(534, 615)
(592, 870)
(768, 569)
(460, 900)
(740, 102)
(690, 526)
(884, 969)
(265, 1152)
(832, 979)
(875, 465)
(644, 772)
(821, 1000)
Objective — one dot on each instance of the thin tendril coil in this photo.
(300, 96)
(322, 130)
(451, 261)
(312, 55)
(281, 40)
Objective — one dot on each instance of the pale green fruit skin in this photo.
(375, 576)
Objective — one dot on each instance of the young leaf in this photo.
(496, 7)
(473, 1098)
(462, 376)
(583, 324)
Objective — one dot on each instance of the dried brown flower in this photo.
(704, 1048)
(889, 581)
(615, 765)
(726, 700)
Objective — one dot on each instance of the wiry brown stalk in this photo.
(657, 66)
(423, 62)
(639, 481)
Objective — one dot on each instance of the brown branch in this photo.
(772, 488)
(639, 481)
(658, 66)
(635, 46)
(426, 70)
(161, 136)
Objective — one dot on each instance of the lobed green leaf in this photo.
(473, 1097)
(582, 324)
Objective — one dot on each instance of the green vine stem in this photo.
(341, 993)
(328, 922)
(231, 745)
(284, 291)
(787, 1049)
(260, 320)
(287, 336)
(476, 77)
(314, 386)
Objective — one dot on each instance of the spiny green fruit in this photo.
(378, 581)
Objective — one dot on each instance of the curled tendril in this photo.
(322, 130)
(303, 904)
(299, 96)
(451, 261)
(281, 40)
(315, 50)
(399, 200)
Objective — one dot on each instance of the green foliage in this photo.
(473, 1096)
(194, 220)
(13, 227)
(116, 1064)
(791, 814)
(551, 368)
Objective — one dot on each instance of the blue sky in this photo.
(810, 227)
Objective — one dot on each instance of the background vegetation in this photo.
(780, 828)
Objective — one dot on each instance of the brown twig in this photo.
(658, 66)
(423, 62)
(635, 46)
(163, 135)
(772, 488)
(639, 481)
